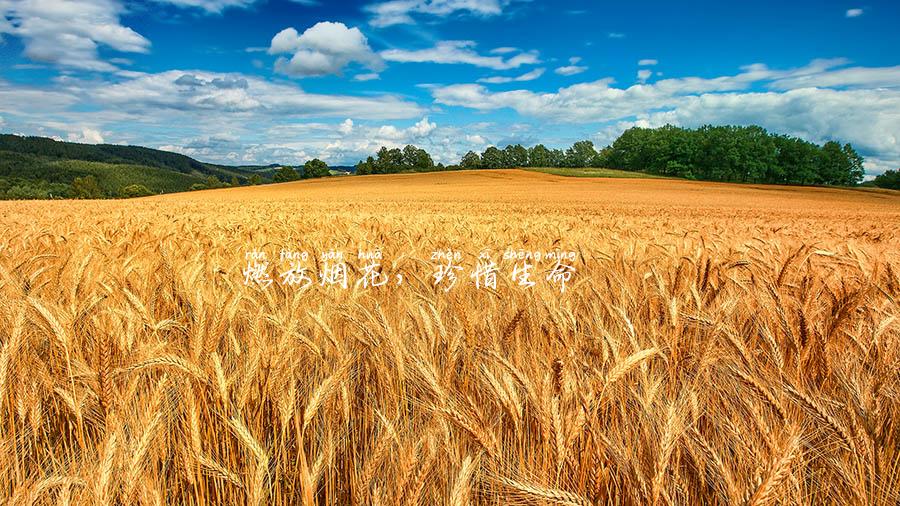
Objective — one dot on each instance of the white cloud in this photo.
(400, 12)
(86, 136)
(219, 95)
(648, 62)
(368, 76)
(615, 35)
(867, 114)
(325, 48)
(422, 129)
(445, 144)
(572, 68)
(212, 6)
(224, 118)
(528, 76)
(854, 13)
(460, 52)
(504, 50)
(869, 77)
(68, 32)
(643, 75)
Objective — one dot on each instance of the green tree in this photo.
(255, 179)
(285, 174)
(135, 190)
(366, 166)
(855, 170)
(315, 168)
(890, 179)
(601, 159)
(833, 164)
(25, 191)
(733, 153)
(235, 181)
(86, 188)
(557, 158)
(581, 154)
(413, 158)
(409, 158)
(471, 160)
(539, 156)
(515, 155)
(213, 182)
(388, 161)
(492, 158)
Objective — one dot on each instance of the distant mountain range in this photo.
(39, 167)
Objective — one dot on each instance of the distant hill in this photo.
(39, 167)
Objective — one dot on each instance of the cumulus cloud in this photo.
(528, 76)
(86, 136)
(68, 33)
(460, 52)
(325, 48)
(857, 105)
(223, 118)
(422, 129)
(214, 117)
(572, 68)
(400, 12)
(218, 96)
(648, 62)
(643, 75)
(854, 13)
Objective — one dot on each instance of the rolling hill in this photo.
(39, 167)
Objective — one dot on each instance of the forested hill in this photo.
(111, 153)
(38, 167)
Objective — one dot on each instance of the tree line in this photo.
(890, 179)
(394, 160)
(714, 153)
(311, 169)
(732, 153)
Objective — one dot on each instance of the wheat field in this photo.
(717, 344)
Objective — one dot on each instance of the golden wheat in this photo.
(717, 344)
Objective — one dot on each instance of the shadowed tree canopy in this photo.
(315, 168)
(890, 179)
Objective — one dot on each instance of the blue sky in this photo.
(261, 81)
